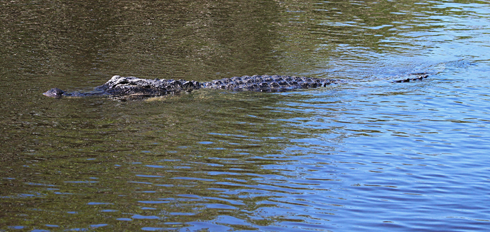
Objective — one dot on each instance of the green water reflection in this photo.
(209, 156)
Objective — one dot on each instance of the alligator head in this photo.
(54, 92)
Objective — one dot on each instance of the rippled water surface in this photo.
(367, 155)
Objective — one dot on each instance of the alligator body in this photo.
(268, 83)
(119, 86)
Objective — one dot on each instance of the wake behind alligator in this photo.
(120, 87)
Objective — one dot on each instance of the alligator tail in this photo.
(413, 77)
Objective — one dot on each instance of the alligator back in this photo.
(267, 83)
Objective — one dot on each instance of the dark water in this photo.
(365, 156)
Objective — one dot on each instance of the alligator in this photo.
(120, 87)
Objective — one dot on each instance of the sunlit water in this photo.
(369, 155)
